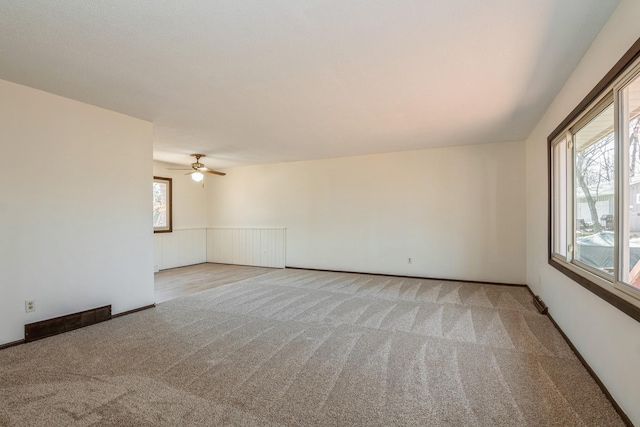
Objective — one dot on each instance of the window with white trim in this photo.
(594, 168)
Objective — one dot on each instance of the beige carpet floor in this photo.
(302, 348)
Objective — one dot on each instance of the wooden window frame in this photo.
(169, 227)
(584, 278)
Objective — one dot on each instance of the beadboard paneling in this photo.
(180, 248)
(263, 247)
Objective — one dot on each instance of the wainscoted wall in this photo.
(264, 247)
(179, 248)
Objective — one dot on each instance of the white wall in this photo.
(187, 244)
(75, 208)
(457, 212)
(608, 339)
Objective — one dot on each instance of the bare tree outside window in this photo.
(595, 191)
(595, 179)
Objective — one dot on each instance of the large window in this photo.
(594, 170)
(162, 205)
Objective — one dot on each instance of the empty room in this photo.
(320, 213)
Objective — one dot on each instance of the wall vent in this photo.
(69, 322)
(540, 305)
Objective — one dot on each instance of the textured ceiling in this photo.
(257, 81)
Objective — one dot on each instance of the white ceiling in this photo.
(257, 81)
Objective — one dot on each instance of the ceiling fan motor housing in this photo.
(197, 164)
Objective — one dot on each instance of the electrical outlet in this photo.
(410, 260)
(29, 306)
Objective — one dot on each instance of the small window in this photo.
(162, 214)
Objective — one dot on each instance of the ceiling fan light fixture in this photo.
(198, 170)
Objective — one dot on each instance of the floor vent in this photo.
(540, 305)
(58, 325)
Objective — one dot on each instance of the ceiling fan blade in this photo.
(211, 171)
(179, 169)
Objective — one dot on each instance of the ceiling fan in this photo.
(198, 169)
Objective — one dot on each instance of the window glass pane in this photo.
(559, 178)
(594, 169)
(159, 204)
(630, 128)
